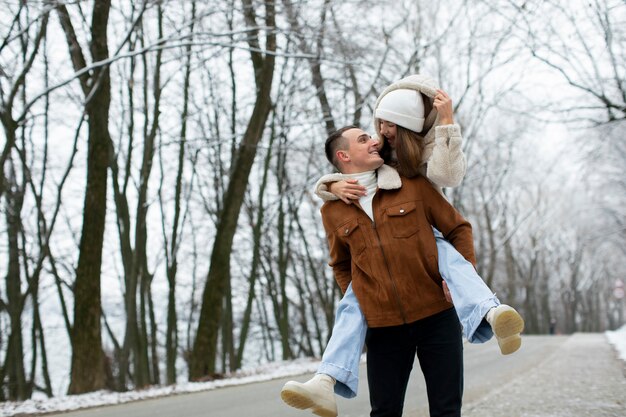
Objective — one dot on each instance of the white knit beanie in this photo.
(403, 107)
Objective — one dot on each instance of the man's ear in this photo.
(342, 156)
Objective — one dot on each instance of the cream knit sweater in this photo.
(443, 159)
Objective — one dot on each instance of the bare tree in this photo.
(582, 43)
(204, 352)
(9, 90)
(172, 244)
(14, 361)
(89, 369)
(14, 181)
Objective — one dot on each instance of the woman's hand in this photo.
(443, 104)
(446, 292)
(347, 190)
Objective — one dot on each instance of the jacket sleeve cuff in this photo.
(321, 187)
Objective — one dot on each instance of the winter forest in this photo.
(157, 215)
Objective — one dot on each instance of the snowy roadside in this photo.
(267, 372)
(618, 339)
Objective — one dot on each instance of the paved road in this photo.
(578, 375)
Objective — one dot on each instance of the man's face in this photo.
(362, 154)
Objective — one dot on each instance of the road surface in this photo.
(550, 376)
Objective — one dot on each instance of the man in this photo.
(385, 248)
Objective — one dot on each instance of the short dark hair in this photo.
(334, 142)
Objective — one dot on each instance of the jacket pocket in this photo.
(402, 219)
(352, 234)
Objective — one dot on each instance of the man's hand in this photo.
(446, 292)
(347, 190)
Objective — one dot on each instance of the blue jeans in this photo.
(471, 297)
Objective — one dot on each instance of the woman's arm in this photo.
(334, 187)
(446, 166)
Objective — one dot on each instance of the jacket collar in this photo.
(388, 178)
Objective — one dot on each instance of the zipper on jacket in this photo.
(393, 282)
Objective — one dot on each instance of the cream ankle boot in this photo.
(318, 394)
(507, 325)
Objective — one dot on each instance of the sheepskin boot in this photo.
(507, 325)
(318, 394)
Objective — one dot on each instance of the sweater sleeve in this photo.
(446, 166)
(321, 186)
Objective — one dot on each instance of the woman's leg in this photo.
(340, 361)
(479, 310)
(343, 352)
(471, 297)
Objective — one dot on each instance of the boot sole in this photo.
(295, 397)
(510, 344)
(508, 324)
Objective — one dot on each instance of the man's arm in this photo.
(445, 218)
(340, 259)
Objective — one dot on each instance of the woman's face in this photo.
(388, 130)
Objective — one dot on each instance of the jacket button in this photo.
(347, 231)
(401, 211)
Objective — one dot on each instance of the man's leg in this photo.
(340, 363)
(390, 357)
(475, 302)
(440, 354)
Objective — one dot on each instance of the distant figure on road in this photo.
(552, 325)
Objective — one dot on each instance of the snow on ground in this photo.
(74, 402)
(618, 339)
(263, 373)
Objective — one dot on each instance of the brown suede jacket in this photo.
(392, 261)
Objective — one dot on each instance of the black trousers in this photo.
(390, 355)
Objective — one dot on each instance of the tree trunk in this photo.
(256, 237)
(171, 332)
(14, 363)
(284, 254)
(155, 377)
(47, 389)
(203, 356)
(140, 264)
(124, 229)
(88, 368)
(18, 386)
(142, 362)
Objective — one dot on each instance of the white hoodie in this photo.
(443, 160)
